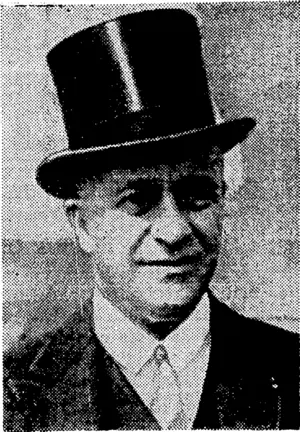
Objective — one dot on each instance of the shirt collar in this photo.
(131, 346)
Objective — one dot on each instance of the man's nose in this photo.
(172, 229)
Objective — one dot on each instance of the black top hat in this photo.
(133, 87)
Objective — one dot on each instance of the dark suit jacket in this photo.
(67, 381)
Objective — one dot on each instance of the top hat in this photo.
(133, 88)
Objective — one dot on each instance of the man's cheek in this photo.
(208, 227)
(116, 234)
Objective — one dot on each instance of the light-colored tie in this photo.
(166, 404)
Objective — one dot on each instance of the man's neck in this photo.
(162, 328)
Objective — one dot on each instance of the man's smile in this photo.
(172, 262)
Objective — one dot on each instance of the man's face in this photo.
(156, 234)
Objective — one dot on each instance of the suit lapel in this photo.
(90, 392)
(64, 367)
(70, 402)
(236, 393)
(129, 410)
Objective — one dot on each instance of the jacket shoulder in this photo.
(56, 347)
(267, 336)
(261, 342)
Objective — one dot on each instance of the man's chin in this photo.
(171, 299)
(164, 318)
(175, 308)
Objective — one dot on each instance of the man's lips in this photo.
(178, 262)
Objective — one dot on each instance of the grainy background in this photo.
(252, 56)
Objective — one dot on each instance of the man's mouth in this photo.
(178, 262)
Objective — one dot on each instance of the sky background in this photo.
(251, 51)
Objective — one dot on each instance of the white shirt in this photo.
(132, 347)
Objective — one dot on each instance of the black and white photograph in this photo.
(150, 216)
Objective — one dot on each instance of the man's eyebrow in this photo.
(203, 176)
(134, 183)
(201, 182)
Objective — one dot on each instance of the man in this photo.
(144, 188)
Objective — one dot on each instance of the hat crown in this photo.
(135, 77)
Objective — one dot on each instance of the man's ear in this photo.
(78, 226)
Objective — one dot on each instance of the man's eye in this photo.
(196, 194)
(197, 204)
(136, 202)
(199, 200)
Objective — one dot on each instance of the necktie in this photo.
(166, 404)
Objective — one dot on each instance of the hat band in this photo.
(136, 126)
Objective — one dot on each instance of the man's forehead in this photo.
(163, 172)
(119, 178)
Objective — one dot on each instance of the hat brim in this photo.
(60, 173)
